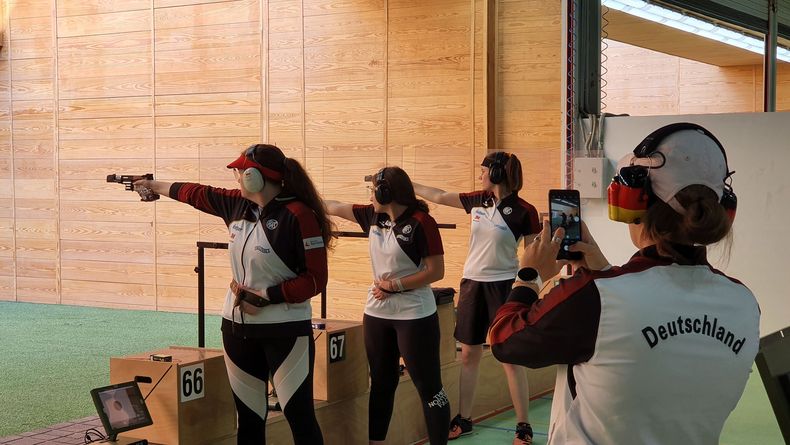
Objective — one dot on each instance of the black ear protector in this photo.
(382, 192)
(630, 194)
(251, 178)
(496, 169)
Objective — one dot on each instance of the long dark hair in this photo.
(514, 178)
(401, 187)
(704, 221)
(297, 182)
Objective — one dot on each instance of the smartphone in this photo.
(565, 212)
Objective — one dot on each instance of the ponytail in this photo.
(703, 222)
(297, 182)
(515, 178)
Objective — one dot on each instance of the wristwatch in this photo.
(529, 275)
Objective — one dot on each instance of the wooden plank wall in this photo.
(530, 108)
(179, 87)
(642, 82)
(33, 141)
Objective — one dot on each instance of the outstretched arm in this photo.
(438, 196)
(341, 209)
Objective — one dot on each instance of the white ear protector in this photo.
(252, 180)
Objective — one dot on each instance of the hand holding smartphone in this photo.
(565, 212)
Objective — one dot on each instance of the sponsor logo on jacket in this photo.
(315, 242)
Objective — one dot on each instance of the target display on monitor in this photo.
(121, 407)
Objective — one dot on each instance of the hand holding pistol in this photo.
(146, 194)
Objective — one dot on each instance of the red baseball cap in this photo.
(267, 159)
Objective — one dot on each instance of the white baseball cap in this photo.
(683, 158)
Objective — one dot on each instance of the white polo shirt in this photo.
(397, 250)
(496, 230)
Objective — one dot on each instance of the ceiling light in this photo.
(693, 25)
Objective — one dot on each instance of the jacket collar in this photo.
(690, 255)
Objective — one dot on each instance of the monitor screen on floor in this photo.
(121, 407)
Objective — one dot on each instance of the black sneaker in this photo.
(523, 434)
(459, 427)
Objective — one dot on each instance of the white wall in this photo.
(758, 149)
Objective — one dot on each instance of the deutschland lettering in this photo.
(702, 326)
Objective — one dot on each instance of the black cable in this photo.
(93, 431)
(157, 383)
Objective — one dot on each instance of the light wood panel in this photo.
(33, 129)
(102, 128)
(210, 82)
(204, 148)
(105, 125)
(109, 271)
(104, 211)
(32, 111)
(26, 69)
(106, 23)
(106, 231)
(697, 81)
(32, 49)
(107, 44)
(132, 148)
(93, 87)
(179, 87)
(208, 125)
(182, 298)
(207, 36)
(103, 250)
(28, 8)
(424, 123)
(207, 105)
(36, 290)
(645, 82)
(105, 65)
(34, 208)
(220, 104)
(104, 108)
(30, 28)
(112, 295)
(37, 248)
(32, 89)
(220, 13)
(529, 93)
(7, 286)
(92, 7)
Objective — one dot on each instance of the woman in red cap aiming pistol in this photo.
(278, 238)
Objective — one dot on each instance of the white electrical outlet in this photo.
(589, 177)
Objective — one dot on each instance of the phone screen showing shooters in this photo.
(565, 212)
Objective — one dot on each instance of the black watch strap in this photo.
(529, 275)
(253, 299)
